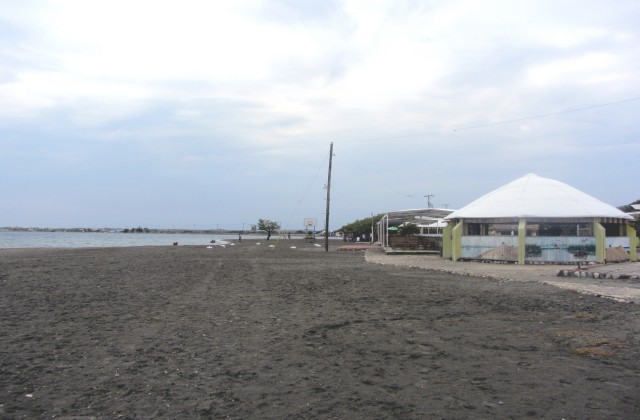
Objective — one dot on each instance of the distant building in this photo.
(535, 220)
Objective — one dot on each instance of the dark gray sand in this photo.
(249, 332)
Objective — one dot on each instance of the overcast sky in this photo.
(198, 113)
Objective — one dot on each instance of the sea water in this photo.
(12, 239)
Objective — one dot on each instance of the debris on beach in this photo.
(219, 243)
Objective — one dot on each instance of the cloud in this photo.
(157, 99)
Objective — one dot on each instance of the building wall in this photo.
(498, 248)
(561, 249)
(621, 241)
(566, 249)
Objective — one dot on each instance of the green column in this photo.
(446, 241)
(631, 233)
(456, 241)
(522, 234)
(601, 241)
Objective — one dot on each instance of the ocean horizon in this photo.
(28, 239)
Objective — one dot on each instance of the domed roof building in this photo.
(536, 220)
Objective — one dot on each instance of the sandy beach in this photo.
(249, 331)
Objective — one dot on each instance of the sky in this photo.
(214, 114)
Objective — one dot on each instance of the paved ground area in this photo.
(619, 281)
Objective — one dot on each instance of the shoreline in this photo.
(100, 240)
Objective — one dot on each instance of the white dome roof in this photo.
(535, 196)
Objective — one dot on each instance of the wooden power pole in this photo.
(326, 224)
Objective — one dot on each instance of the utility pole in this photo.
(371, 239)
(429, 205)
(326, 225)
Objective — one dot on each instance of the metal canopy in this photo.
(417, 215)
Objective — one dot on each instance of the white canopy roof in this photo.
(439, 223)
(535, 196)
(417, 215)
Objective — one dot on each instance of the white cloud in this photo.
(589, 68)
(265, 85)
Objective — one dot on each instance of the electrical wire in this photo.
(474, 127)
(295, 211)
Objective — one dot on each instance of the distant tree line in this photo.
(137, 230)
(361, 226)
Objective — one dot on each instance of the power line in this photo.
(304, 197)
(552, 114)
(532, 117)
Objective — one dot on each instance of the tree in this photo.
(268, 226)
(409, 229)
(362, 226)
